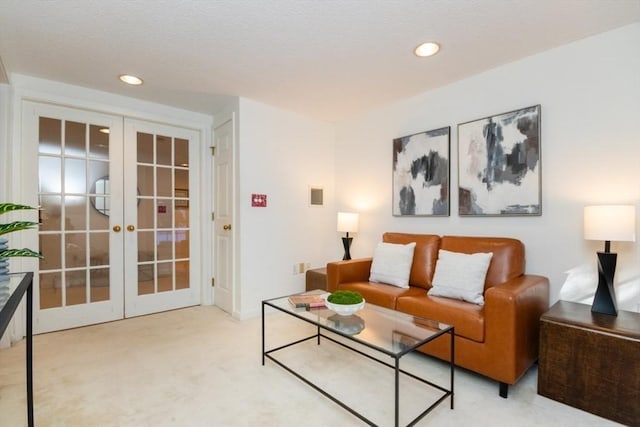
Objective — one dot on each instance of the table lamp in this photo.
(608, 222)
(347, 223)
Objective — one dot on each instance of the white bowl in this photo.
(344, 309)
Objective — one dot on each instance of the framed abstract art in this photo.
(421, 173)
(499, 165)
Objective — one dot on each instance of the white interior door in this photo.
(118, 224)
(77, 159)
(223, 224)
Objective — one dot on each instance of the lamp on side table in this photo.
(608, 222)
(347, 223)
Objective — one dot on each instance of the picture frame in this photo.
(421, 173)
(499, 165)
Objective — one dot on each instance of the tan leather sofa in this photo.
(500, 338)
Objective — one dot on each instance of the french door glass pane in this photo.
(99, 249)
(50, 290)
(76, 287)
(75, 253)
(145, 148)
(164, 150)
(75, 173)
(99, 142)
(50, 171)
(182, 274)
(99, 280)
(145, 213)
(75, 139)
(145, 246)
(49, 136)
(181, 152)
(75, 212)
(50, 213)
(51, 249)
(163, 182)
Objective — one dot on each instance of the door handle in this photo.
(226, 227)
(130, 228)
(117, 228)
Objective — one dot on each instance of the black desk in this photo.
(7, 309)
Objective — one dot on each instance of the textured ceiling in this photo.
(327, 59)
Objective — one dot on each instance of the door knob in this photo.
(130, 228)
(226, 227)
(117, 228)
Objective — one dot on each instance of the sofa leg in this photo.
(504, 390)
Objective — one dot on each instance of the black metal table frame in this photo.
(25, 286)
(396, 366)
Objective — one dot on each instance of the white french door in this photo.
(159, 237)
(116, 216)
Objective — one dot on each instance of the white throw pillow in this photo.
(461, 276)
(392, 264)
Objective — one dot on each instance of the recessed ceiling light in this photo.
(427, 49)
(104, 130)
(130, 80)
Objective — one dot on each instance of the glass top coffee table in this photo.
(388, 332)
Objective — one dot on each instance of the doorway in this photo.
(116, 218)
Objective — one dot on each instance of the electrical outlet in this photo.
(301, 268)
(295, 269)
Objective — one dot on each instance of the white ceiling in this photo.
(328, 59)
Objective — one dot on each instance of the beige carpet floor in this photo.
(200, 367)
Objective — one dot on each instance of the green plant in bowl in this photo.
(345, 297)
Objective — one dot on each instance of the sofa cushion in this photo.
(424, 255)
(468, 319)
(381, 294)
(508, 255)
(461, 276)
(392, 264)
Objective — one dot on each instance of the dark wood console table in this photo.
(591, 361)
(7, 309)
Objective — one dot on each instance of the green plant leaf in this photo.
(24, 252)
(16, 226)
(8, 207)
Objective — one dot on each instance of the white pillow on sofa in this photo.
(392, 264)
(461, 276)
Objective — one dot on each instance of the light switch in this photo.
(259, 200)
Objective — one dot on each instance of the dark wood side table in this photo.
(591, 361)
(316, 279)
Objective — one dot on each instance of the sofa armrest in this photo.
(512, 315)
(354, 270)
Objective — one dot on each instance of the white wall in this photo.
(590, 97)
(281, 154)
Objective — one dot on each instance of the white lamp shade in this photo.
(347, 222)
(610, 222)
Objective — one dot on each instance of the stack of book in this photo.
(306, 301)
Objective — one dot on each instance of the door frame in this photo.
(27, 88)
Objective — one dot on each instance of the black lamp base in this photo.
(605, 299)
(346, 242)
